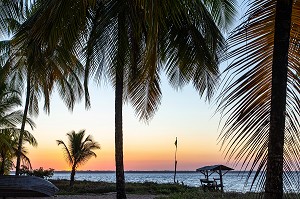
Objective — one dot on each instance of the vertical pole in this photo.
(221, 179)
(175, 161)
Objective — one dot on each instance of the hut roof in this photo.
(214, 168)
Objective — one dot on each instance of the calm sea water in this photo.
(233, 181)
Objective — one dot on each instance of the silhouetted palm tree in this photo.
(10, 99)
(263, 95)
(27, 62)
(138, 40)
(9, 138)
(78, 151)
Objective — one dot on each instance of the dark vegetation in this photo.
(41, 172)
(163, 191)
(172, 191)
(87, 187)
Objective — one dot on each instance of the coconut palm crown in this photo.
(78, 151)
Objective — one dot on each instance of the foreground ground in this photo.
(93, 196)
(147, 190)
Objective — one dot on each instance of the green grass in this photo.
(163, 191)
(84, 187)
(199, 194)
(154, 188)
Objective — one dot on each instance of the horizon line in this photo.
(136, 171)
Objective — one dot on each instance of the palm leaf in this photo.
(66, 151)
(246, 97)
(79, 149)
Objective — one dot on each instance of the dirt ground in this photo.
(90, 196)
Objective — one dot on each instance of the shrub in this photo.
(42, 173)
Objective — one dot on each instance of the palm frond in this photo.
(12, 9)
(66, 151)
(79, 149)
(246, 97)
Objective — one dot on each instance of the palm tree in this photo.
(41, 79)
(9, 148)
(9, 134)
(263, 95)
(138, 39)
(79, 150)
(28, 62)
(128, 41)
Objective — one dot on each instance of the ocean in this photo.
(233, 180)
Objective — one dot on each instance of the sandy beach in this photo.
(90, 196)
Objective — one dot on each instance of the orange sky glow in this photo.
(162, 159)
(147, 146)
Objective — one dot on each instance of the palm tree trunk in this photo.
(23, 125)
(120, 179)
(274, 175)
(72, 178)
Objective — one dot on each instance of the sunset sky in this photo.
(147, 146)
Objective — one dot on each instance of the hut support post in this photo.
(221, 179)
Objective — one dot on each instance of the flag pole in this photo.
(175, 160)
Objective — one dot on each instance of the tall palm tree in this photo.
(263, 95)
(27, 62)
(78, 151)
(139, 37)
(127, 41)
(41, 77)
(9, 134)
